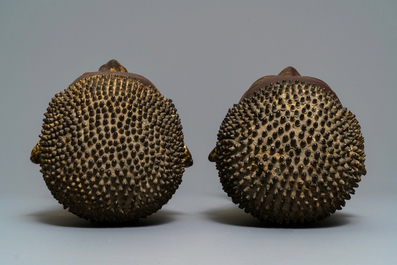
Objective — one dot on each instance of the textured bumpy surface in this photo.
(111, 148)
(290, 154)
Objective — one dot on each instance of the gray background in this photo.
(203, 55)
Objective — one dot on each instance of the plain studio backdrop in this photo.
(203, 55)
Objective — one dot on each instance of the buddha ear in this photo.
(35, 154)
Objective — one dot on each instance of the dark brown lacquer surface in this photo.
(114, 68)
(289, 73)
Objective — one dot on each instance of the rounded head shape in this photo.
(289, 152)
(112, 148)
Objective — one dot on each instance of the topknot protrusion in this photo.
(112, 66)
(289, 71)
(288, 74)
